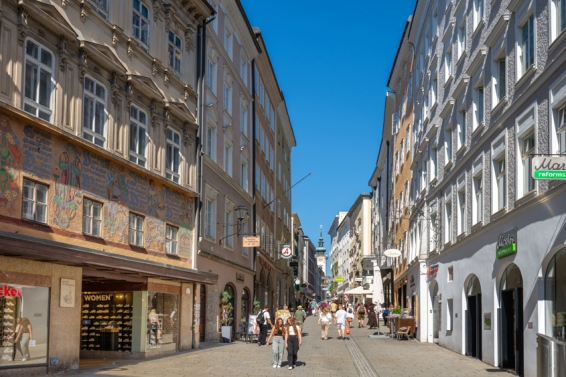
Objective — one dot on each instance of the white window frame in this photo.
(526, 44)
(462, 206)
(244, 118)
(477, 191)
(171, 239)
(461, 124)
(448, 217)
(34, 197)
(462, 38)
(139, 137)
(526, 131)
(433, 156)
(499, 174)
(499, 79)
(244, 67)
(478, 12)
(39, 87)
(96, 100)
(227, 94)
(557, 109)
(211, 74)
(229, 41)
(448, 144)
(479, 104)
(244, 181)
(210, 214)
(557, 18)
(228, 151)
(175, 51)
(229, 226)
(92, 217)
(173, 155)
(142, 24)
(211, 137)
(100, 7)
(135, 229)
(448, 58)
(433, 241)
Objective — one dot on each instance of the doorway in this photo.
(473, 319)
(512, 320)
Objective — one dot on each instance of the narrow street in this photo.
(358, 356)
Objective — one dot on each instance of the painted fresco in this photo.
(74, 173)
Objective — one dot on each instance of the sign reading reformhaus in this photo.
(549, 167)
(506, 243)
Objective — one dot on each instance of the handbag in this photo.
(32, 343)
(347, 330)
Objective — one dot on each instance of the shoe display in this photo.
(8, 310)
(84, 328)
(6, 324)
(84, 334)
(9, 330)
(7, 316)
(10, 303)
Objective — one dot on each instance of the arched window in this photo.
(473, 288)
(511, 278)
(555, 294)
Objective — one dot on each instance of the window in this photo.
(478, 106)
(477, 190)
(138, 136)
(228, 228)
(136, 230)
(94, 112)
(408, 138)
(244, 68)
(462, 209)
(397, 162)
(500, 197)
(433, 231)
(499, 80)
(228, 157)
(406, 193)
(92, 216)
(210, 218)
(433, 90)
(451, 273)
(448, 220)
(555, 300)
(448, 144)
(461, 120)
(433, 162)
(558, 17)
(38, 81)
(560, 126)
(244, 175)
(141, 23)
(462, 43)
(478, 12)
(173, 158)
(449, 314)
(228, 42)
(175, 50)
(526, 46)
(527, 145)
(34, 206)
(228, 98)
(211, 74)
(100, 6)
(244, 119)
(448, 62)
(211, 142)
(171, 233)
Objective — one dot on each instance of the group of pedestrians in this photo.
(286, 333)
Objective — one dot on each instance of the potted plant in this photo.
(256, 306)
(396, 312)
(226, 316)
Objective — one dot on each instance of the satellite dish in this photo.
(392, 253)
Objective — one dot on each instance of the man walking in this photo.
(300, 316)
(263, 321)
(340, 321)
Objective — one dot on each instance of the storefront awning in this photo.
(359, 291)
(23, 246)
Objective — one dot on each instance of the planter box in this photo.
(226, 334)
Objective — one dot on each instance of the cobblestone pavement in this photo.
(359, 355)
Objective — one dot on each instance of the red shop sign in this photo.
(10, 292)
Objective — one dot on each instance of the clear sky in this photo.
(332, 60)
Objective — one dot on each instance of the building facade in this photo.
(99, 195)
(492, 100)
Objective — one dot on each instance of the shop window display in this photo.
(106, 321)
(162, 322)
(555, 282)
(23, 323)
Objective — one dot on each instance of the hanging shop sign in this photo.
(286, 252)
(432, 270)
(506, 244)
(251, 241)
(339, 279)
(549, 167)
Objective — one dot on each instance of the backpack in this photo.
(362, 310)
(350, 310)
(260, 320)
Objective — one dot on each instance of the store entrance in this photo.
(473, 318)
(512, 320)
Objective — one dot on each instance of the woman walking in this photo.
(293, 341)
(372, 318)
(324, 320)
(278, 333)
(24, 336)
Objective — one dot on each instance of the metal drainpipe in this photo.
(253, 183)
(201, 74)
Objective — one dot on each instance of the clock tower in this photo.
(321, 254)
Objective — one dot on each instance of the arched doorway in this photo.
(228, 308)
(245, 305)
(436, 306)
(512, 319)
(473, 318)
(555, 286)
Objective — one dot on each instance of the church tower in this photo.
(321, 254)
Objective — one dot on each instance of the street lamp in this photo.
(241, 213)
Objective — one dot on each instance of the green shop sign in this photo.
(549, 167)
(506, 244)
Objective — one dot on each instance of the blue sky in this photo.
(332, 60)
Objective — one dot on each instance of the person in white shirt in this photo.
(324, 320)
(341, 321)
(263, 327)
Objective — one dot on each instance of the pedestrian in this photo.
(17, 345)
(372, 318)
(340, 320)
(350, 315)
(333, 308)
(263, 321)
(313, 307)
(386, 315)
(361, 313)
(300, 316)
(293, 340)
(278, 334)
(24, 336)
(324, 320)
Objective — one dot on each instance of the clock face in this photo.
(297, 281)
